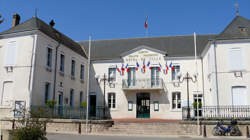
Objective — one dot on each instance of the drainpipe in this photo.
(216, 74)
(32, 69)
(203, 90)
(55, 72)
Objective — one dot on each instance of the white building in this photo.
(130, 92)
(29, 74)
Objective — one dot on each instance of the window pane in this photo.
(112, 73)
(62, 63)
(73, 68)
(82, 72)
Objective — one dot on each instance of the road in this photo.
(97, 137)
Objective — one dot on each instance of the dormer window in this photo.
(243, 29)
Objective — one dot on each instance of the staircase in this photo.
(151, 128)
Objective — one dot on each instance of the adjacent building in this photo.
(39, 64)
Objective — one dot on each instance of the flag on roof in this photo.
(122, 68)
(146, 22)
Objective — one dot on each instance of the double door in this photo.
(143, 105)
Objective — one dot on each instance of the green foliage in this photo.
(28, 128)
(51, 103)
(84, 104)
(195, 104)
(31, 131)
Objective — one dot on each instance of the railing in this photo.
(214, 112)
(65, 112)
(142, 84)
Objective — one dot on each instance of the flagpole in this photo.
(197, 85)
(87, 112)
(146, 26)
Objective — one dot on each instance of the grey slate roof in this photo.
(37, 24)
(232, 31)
(175, 46)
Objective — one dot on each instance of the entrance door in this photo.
(60, 104)
(92, 108)
(143, 105)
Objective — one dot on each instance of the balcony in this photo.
(142, 84)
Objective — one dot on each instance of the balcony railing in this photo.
(142, 84)
(221, 112)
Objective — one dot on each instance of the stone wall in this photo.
(66, 126)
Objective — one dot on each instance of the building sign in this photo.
(143, 55)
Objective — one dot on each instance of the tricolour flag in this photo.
(137, 66)
(146, 22)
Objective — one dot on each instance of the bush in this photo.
(84, 104)
(51, 103)
(28, 128)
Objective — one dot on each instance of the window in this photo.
(73, 66)
(111, 100)
(71, 98)
(156, 105)
(175, 71)
(130, 105)
(155, 77)
(131, 77)
(47, 92)
(176, 100)
(82, 72)
(81, 98)
(112, 73)
(239, 95)
(235, 59)
(49, 57)
(11, 53)
(62, 61)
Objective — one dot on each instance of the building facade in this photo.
(31, 75)
(155, 77)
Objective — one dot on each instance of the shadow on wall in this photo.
(96, 97)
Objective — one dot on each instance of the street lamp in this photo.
(193, 79)
(104, 79)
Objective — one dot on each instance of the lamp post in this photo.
(104, 79)
(193, 79)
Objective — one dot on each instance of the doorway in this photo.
(143, 105)
(60, 104)
(92, 105)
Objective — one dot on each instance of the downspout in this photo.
(32, 69)
(203, 89)
(55, 72)
(216, 74)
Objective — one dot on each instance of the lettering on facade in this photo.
(143, 55)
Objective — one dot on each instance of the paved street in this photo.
(95, 137)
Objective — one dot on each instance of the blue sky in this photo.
(112, 19)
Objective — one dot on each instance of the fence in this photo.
(66, 112)
(214, 112)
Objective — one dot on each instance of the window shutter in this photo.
(11, 52)
(235, 59)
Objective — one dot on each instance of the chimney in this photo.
(15, 20)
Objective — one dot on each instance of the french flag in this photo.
(137, 66)
(159, 68)
(127, 68)
(171, 66)
(118, 69)
(143, 69)
(148, 63)
(166, 65)
(122, 68)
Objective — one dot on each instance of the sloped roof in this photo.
(37, 24)
(233, 30)
(175, 46)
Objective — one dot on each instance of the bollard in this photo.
(247, 132)
(80, 128)
(204, 131)
(44, 126)
(13, 124)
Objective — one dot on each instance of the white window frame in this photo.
(175, 78)
(62, 64)
(239, 86)
(113, 100)
(110, 73)
(50, 59)
(176, 100)
(241, 58)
